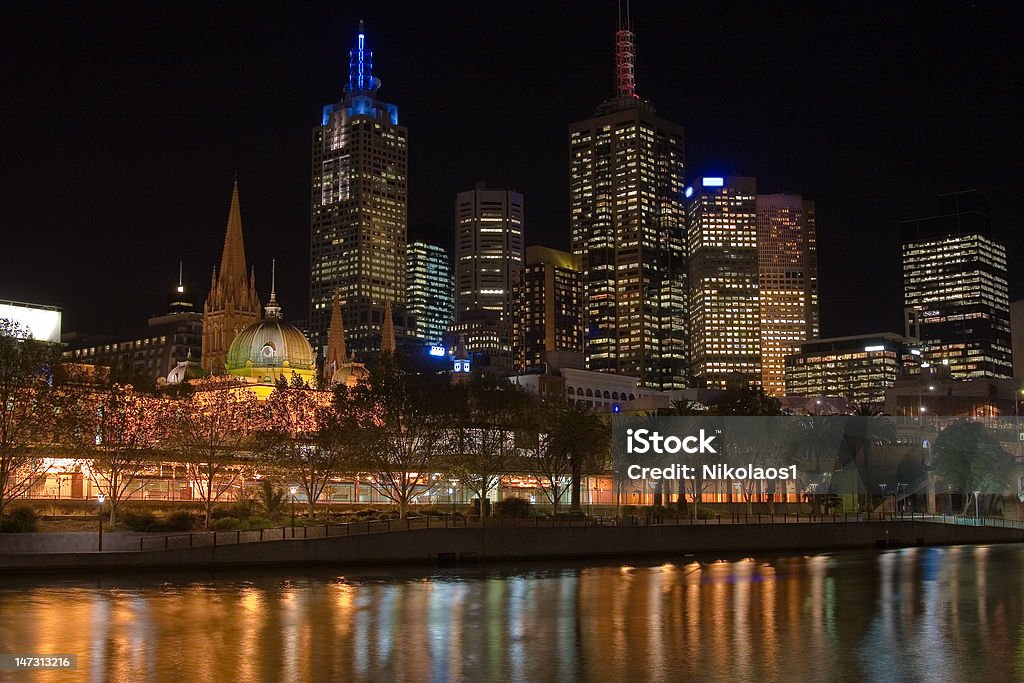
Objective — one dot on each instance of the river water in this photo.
(909, 615)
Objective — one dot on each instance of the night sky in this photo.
(124, 125)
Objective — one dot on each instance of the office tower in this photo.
(787, 257)
(725, 315)
(549, 308)
(488, 249)
(1017, 335)
(858, 368)
(358, 224)
(954, 277)
(626, 215)
(429, 291)
(232, 304)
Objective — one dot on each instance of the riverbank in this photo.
(441, 545)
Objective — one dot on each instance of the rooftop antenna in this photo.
(625, 55)
(273, 310)
(181, 285)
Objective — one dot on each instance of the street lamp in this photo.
(100, 498)
(976, 512)
(882, 487)
(292, 489)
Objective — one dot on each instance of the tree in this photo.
(125, 430)
(305, 439)
(481, 447)
(747, 399)
(29, 409)
(397, 423)
(210, 433)
(550, 464)
(866, 426)
(816, 439)
(969, 458)
(585, 439)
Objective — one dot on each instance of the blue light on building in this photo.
(689, 191)
(713, 182)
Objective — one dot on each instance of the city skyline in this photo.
(113, 199)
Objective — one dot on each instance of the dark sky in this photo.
(122, 126)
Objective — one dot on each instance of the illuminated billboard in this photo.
(42, 322)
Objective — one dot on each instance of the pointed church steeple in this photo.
(387, 331)
(232, 303)
(336, 351)
(232, 260)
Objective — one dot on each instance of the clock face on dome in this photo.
(267, 351)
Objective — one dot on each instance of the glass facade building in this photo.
(725, 314)
(858, 368)
(359, 209)
(549, 310)
(955, 283)
(627, 221)
(429, 291)
(787, 256)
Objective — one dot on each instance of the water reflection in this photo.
(913, 614)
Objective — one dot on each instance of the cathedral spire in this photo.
(336, 352)
(387, 331)
(232, 262)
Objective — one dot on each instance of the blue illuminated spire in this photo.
(360, 67)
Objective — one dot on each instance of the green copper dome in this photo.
(270, 343)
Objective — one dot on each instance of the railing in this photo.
(362, 528)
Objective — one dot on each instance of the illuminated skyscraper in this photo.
(358, 224)
(548, 307)
(725, 315)
(787, 255)
(627, 219)
(488, 249)
(429, 290)
(954, 277)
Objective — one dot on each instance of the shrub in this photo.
(258, 523)
(628, 510)
(512, 507)
(179, 520)
(20, 520)
(368, 513)
(226, 524)
(706, 513)
(137, 519)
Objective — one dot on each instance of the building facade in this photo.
(488, 249)
(232, 304)
(724, 306)
(549, 308)
(627, 222)
(858, 368)
(359, 209)
(1017, 335)
(955, 282)
(429, 291)
(787, 265)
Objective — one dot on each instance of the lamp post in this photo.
(100, 498)
(976, 511)
(292, 489)
(882, 487)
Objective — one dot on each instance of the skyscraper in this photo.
(548, 307)
(488, 249)
(359, 208)
(725, 315)
(429, 290)
(787, 255)
(232, 304)
(626, 215)
(954, 278)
